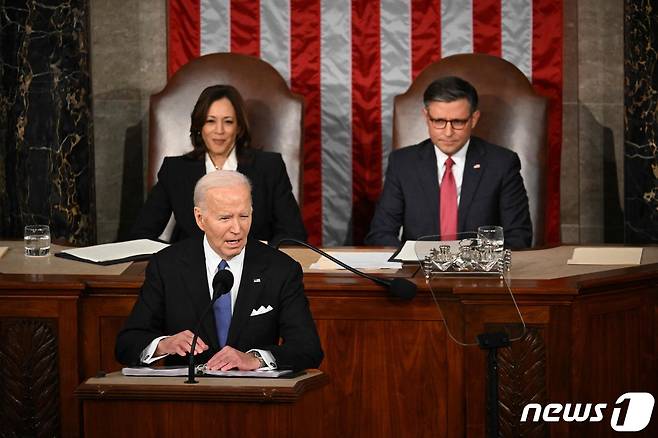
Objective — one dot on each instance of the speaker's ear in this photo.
(475, 118)
(198, 216)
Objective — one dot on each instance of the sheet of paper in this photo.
(605, 256)
(255, 373)
(3, 250)
(160, 371)
(358, 260)
(408, 252)
(173, 371)
(415, 250)
(117, 251)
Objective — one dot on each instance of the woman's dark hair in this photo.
(200, 113)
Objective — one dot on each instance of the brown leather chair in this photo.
(274, 112)
(513, 116)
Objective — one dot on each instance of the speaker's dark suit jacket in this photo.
(175, 293)
(492, 193)
(276, 213)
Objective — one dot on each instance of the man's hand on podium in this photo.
(229, 358)
(180, 344)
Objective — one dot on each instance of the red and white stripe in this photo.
(349, 58)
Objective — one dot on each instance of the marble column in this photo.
(46, 146)
(641, 125)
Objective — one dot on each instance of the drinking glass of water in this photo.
(37, 240)
(492, 236)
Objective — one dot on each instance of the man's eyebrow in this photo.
(450, 120)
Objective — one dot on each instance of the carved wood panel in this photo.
(29, 378)
(522, 380)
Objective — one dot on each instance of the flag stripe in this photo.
(215, 26)
(517, 34)
(366, 114)
(425, 34)
(396, 64)
(336, 120)
(456, 28)
(275, 36)
(245, 27)
(487, 27)
(547, 80)
(183, 36)
(305, 80)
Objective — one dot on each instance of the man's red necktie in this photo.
(448, 203)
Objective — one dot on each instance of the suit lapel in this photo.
(195, 281)
(249, 291)
(194, 170)
(429, 181)
(197, 170)
(246, 167)
(473, 169)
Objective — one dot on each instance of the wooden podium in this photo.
(592, 335)
(116, 405)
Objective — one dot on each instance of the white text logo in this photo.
(631, 412)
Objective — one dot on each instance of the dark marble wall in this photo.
(46, 146)
(128, 58)
(641, 125)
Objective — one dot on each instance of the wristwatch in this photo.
(259, 357)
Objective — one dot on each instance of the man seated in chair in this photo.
(452, 182)
(265, 304)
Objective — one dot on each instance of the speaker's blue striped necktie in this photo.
(222, 309)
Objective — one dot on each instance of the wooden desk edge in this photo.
(259, 393)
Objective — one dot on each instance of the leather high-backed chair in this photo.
(274, 112)
(512, 115)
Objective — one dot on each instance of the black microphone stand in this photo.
(398, 287)
(492, 342)
(334, 259)
(221, 284)
(190, 367)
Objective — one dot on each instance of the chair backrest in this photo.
(512, 115)
(274, 112)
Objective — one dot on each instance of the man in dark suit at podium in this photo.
(452, 182)
(266, 303)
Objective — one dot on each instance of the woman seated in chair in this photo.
(220, 136)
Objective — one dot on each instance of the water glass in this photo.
(492, 236)
(37, 240)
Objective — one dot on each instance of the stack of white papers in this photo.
(605, 256)
(415, 250)
(358, 260)
(201, 371)
(110, 253)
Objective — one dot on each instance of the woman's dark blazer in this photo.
(276, 213)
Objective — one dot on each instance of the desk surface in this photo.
(541, 264)
(551, 263)
(117, 386)
(14, 261)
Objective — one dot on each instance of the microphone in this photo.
(398, 287)
(222, 283)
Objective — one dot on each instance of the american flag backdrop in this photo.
(349, 58)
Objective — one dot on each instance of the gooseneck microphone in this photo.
(398, 287)
(222, 283)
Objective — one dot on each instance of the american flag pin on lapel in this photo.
(477, 166)
(256, 280)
